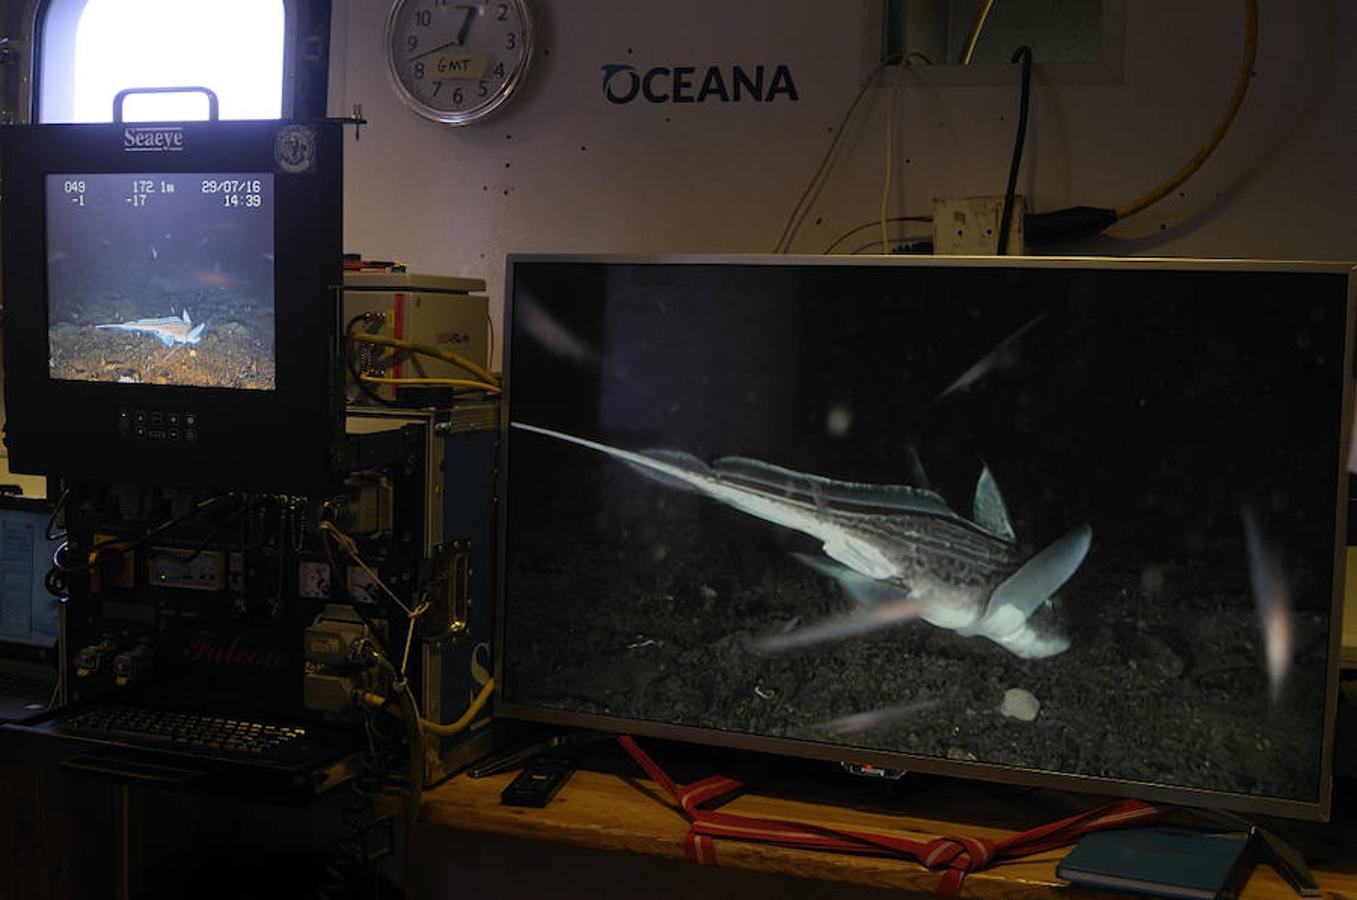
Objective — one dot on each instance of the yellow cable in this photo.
(976, 27)
(376, 701)
(465, 718)
(1241, 87)
(427, 350)
(431, 382)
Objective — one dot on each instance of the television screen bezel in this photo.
(283, 439)
(1318, 810)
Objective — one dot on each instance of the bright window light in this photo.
(234, 47)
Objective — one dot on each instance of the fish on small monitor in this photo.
(161, 278)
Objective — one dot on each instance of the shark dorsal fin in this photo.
(990, 512)
(917, 476)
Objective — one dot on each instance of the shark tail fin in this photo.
(1014, 600)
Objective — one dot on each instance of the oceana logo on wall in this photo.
(623, 83)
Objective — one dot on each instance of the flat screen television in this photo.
(169, 306)
(1062, 522)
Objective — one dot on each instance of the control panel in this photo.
(160, 426)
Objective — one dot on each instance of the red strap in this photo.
(958, 854)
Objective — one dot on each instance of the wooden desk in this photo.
(617, 813)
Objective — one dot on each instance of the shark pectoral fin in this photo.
(1028, 643)
(990, 512)
(1014, 601)
(864, 590)
(196, 334)
(855, 623)
(166, 340)
(860, 556)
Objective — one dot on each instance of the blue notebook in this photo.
(1166, 862)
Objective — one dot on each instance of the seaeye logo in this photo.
(154, 140)
(623, 83)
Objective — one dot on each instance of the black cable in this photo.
(213, 532)
(121, 550)
(1023, 54)
(55, 584)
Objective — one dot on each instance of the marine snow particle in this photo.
(708, 592)
(1020, 704)
(839, 420)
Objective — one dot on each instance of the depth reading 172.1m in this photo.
(143, 188)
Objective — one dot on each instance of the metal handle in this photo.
(213, 108)
(129, 771)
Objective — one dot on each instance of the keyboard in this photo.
(184, 731)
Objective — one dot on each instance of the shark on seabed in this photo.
(170, 330)
(898, 550)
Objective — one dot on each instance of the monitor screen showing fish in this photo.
(1062, 522)
(171, 303)
(161, 278)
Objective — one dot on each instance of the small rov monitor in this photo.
(170, 307)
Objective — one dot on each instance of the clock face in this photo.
(457, 62)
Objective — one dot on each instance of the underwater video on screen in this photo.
(161, 279)
(1076, 521)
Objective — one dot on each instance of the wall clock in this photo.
(457, 62)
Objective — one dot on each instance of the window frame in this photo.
(306, 41)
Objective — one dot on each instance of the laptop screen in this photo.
(28, 613)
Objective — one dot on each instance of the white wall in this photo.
(561, 169)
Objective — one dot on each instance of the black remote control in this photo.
(539, 781)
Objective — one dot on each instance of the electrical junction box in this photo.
(969, 226)
(444, 311)
(455, 513)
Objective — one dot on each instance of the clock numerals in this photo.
(457, 61)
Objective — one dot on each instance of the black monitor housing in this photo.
(169, 307)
